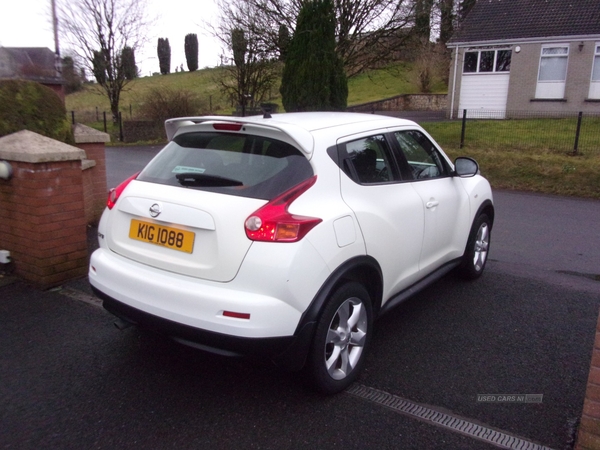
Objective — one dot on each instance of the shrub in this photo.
(26, 105)
(164, 103)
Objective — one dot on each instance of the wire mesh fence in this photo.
(576, 133)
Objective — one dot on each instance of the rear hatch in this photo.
(186, 210)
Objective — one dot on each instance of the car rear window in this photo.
(236, 164)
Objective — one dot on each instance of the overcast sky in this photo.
(27, 23)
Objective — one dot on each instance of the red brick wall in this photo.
(589, 427)
(43, 223)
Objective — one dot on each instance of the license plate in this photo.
(164, 236)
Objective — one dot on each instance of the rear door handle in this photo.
(432, 204)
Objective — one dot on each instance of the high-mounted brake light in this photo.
(115, 193)
(273, 222)
(227, 126)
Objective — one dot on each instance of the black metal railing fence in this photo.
(560, 132)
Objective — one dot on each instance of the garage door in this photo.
(484, 95)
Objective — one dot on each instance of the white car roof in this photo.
(298, 126)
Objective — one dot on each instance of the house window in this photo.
(595, 82)
(487, 61)
(552, 73)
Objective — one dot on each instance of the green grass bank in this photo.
(526, 155)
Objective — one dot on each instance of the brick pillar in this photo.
(589, 428)
(42, 221)
(94, 170)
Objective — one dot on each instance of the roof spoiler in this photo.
(172, 125)
(303, 139)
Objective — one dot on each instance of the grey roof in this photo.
(501, 20)
(32, 62)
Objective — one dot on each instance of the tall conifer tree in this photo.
(191, 51)
(313, 78)
(128, 60)
(164, 55)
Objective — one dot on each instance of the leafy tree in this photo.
(128, 60)
(98, 31)
(191, 51)
(313, 77)
(71, 75)
(164, 55)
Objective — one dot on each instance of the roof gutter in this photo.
(535, 40)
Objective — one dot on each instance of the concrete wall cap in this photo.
(88, 135)
(27, 146)
(88, 164)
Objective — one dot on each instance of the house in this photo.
(34, 64)
(526, 56)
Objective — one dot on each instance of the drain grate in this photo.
(454, 423)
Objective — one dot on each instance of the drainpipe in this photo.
(454, 82)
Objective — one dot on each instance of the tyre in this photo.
(341, 338)
(476, 252)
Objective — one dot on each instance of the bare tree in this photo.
(367, 31)
(253, 67)
(98, 31)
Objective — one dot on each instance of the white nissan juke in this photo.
(287, 235)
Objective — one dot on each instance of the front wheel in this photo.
(477, 249)
(341, 338)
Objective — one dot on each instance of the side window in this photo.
(423, 158)
(486, 61)
(367, 160)
(552, 73)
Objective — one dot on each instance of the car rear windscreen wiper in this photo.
(201, 179)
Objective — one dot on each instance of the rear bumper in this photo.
(191, 311)
(288, 352)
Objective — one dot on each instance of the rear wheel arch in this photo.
(362, 269)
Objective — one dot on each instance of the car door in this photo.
(389, 211)
(445, 201)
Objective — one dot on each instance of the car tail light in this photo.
(273, 222)
(227, 126)
(115, 193)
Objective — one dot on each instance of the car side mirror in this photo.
(466, 167)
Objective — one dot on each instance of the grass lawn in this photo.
(529, 155)
(367, 87)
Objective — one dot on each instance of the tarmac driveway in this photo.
(69, 379)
